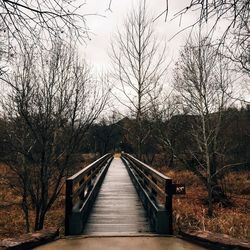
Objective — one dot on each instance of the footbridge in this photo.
(119, 195)
(119, 202)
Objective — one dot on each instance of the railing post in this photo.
(68, 204)
(169, 204)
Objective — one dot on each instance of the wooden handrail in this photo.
(85, 170)
(155, 187)
(155, 182)
(147, 167)
(80, 185)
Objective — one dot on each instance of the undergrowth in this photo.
(190, 213)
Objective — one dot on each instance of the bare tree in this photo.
(51, 103)
(233, 18)
(28, 19)
(202, 80)
(139, 67)
(239, 46)
(39, 22)
(161, 113)
(236, 12)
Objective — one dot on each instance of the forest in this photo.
(189, 119)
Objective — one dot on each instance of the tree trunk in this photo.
(210, 201)
(217, 193)
(41, 221)
(25, 209)
(171, 160)
(36, 227)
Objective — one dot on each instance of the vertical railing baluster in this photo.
(68, 204)
(169, 204)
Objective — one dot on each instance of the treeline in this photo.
(109, 136)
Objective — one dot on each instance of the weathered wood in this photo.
(68, 205)
(155, 191)
(169, 204)
(117, 208)
(81, 190)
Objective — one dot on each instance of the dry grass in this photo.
(190, 213)
(11, 215)
(189, 209)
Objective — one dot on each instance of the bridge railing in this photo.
(81, 191)
(155, 190)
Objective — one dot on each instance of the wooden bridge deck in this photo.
(117, 208)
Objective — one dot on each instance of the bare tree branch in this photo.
(139, 67)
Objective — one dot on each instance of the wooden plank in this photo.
(117, 208)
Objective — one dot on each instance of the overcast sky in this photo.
(102, 28)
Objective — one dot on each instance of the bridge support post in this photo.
(68, 204)
(169, 204)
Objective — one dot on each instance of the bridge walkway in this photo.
(116, 218)
(117, 208)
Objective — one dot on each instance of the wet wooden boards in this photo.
(117, 208)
